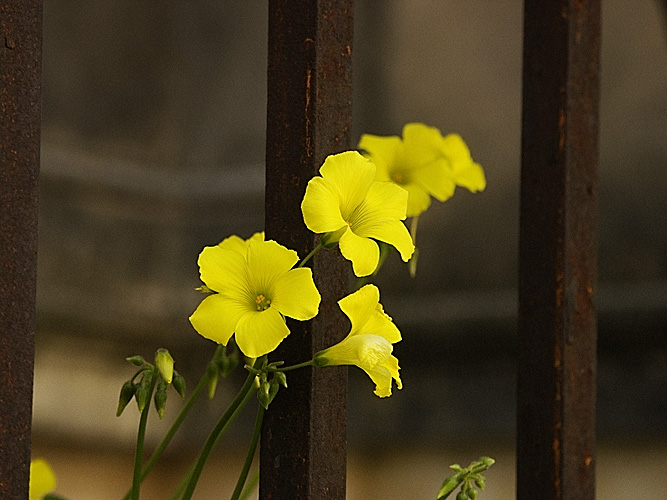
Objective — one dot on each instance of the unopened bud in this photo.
(126, 395)
(178, 383)
(165, 364)
(160, 399)
(136, 360)
(141, 395)
(280, 378)
(212, 376)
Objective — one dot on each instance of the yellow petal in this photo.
(394, 233)
(362, 252)
(217, 316)
(383, 374)
(239, 244)
(464, 171)
(419, 199)
(223, 269)
(384, 200)
(42, 479)
(295, 294)
(350, 175)
(360, 305)
(422, 144)
(321, 207)
(436, 179)
(261, 332)
(267, 260)
(383, 151)
(365, 351)
(379, 323)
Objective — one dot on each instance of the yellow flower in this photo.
(424, 163)
(369, 343)
(253, 292)
(346, 204)
(42, 479)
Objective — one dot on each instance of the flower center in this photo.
(262, 303)
(399, 177)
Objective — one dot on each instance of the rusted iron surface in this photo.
(303, 450)
(20, 57)
(558, 246)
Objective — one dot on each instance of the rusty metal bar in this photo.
(20, 69)
(303, 447)
(558, 245)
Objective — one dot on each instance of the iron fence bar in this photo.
(20, 69)
(558, 244)
(303, 445)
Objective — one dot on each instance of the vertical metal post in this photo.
(303, 447)
(558, 240)
(20, 66)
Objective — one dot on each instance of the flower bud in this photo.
(136, 360)
(160, 399)
(126, 395)
(264, 394)
(462, 495)
(178, 383)
(448, 486)
(142, 392)
(280, 378)
(212, 376)
(165, 364)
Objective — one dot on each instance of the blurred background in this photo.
(153, 143)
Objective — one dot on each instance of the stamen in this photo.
(262, 303)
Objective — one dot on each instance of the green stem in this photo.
(179, 490)
(250, 485)
(172, 431)
(216, 433)
(251, 453)
(293, 367)
(310, 255)
(141, 435)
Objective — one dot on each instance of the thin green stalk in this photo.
(179, 490)
(141, 435)
(310, 255)
(216, 433)
(172, 431)
(251, 453)
(293, 367)
(250, 485)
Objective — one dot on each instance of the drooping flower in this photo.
(424, 163)
(369, 343)
(346, 204)
(42, 479)
(252, 293)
